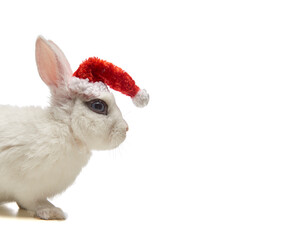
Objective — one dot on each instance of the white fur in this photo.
(141, 99)
(43, 150)
(84, 87)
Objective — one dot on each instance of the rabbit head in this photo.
(99, 131)
(88, 108)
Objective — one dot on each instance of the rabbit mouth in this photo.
(117, 136)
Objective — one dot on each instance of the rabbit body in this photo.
(39, 156)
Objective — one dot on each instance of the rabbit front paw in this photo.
(50, 213)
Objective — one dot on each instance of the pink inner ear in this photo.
(47, 63)
(66, 68)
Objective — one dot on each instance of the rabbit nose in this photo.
(126, 125)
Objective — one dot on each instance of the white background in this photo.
(217, 154)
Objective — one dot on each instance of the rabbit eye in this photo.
(98, 106)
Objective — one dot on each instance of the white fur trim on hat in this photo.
(141, 99)
(84, 87)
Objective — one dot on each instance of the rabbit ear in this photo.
(53, 67)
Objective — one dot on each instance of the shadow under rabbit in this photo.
(10, 212)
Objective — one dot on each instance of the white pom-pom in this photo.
(141, 99)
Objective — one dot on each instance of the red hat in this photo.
(97, 70)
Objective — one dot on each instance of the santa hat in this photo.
(100, 73)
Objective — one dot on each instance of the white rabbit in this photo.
(43, 150)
